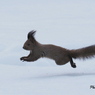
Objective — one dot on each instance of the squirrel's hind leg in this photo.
(72, 63)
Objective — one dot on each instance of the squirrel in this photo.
(59, 54)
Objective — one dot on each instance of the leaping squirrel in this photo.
(57, 53)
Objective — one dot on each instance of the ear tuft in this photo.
(31, 34)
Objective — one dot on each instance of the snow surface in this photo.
(67, 23)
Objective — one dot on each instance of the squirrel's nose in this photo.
(25, 48)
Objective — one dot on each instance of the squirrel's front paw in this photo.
(22, 58)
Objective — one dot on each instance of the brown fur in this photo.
(59, 54)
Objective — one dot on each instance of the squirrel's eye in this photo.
(28, 44)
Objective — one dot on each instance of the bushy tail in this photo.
(83, 53)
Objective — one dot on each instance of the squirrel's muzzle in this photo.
(25, 48)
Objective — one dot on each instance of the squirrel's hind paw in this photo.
(74, 65)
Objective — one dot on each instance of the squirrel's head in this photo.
(30, 43)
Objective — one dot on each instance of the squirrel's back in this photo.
(54, 51)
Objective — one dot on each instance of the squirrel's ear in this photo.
(31, 34)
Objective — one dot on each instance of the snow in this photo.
(67, 23)
(27, 80)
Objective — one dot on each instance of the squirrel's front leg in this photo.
(30, 57)
(23, 58)
(26, 59)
